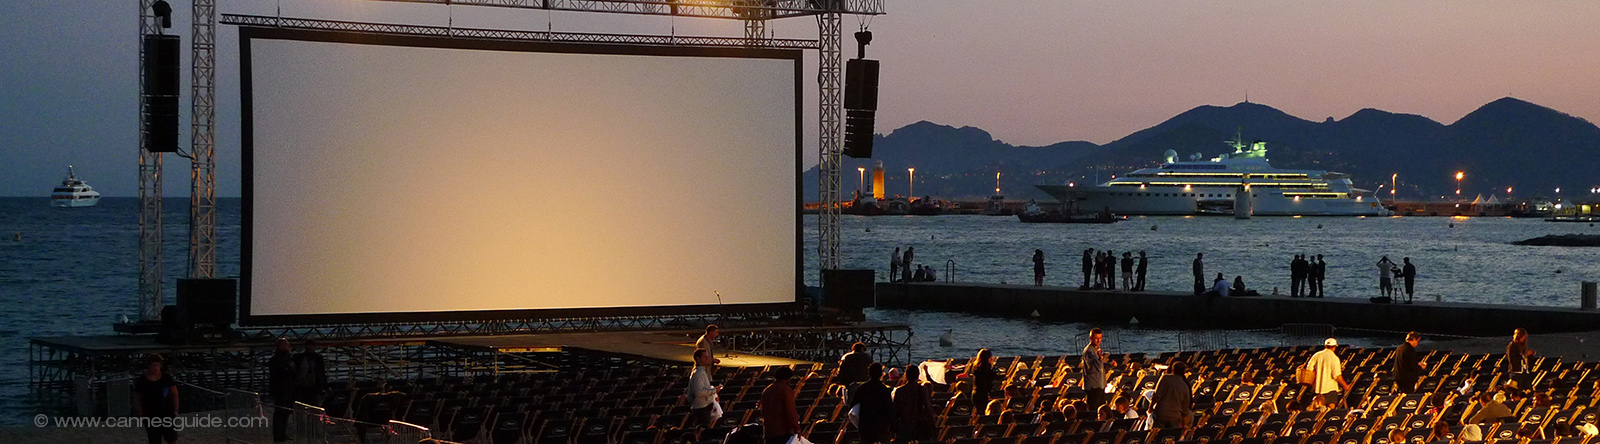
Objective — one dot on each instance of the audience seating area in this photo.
(1242, 396)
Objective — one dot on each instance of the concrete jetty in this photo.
(1164, 309)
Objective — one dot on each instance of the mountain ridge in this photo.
(1507, 142)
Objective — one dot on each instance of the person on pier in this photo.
(1199, 273)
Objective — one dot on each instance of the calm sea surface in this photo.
(74, 270)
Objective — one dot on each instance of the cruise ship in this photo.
(73, 192)
(1241, 184)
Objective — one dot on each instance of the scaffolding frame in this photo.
(149, 292)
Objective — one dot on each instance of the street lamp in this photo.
(1459, 175)
(861, 180)
(1394, 185)
(911, 184)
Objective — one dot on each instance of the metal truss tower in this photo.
(830, 82)
(203, 144)
(150, 301)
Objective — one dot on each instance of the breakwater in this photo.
(1185, 310)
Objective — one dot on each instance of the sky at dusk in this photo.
(1030, 72)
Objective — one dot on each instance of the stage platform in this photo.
(1166, 309)
(675, 346)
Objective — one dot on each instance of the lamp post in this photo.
(911, 184)
(1394, 185)
(861, 181)
(1459, 175)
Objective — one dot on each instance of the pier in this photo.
(1167, 309)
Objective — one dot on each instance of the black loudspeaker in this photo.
(174, 326)
(858, 133)
(861, 84)
(848, 291)
(861, 105)
(161, 84)
(209, 302)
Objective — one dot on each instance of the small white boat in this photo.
(74, 192)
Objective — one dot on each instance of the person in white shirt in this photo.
(1220, 286)
(1386, 277)
(1329, 384)
(700, 393)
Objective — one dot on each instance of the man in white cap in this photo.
(1329, 385)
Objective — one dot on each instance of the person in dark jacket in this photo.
(280, 386)
(311, 374)
(981, 371)
(853, 366)
(779, 418)
(1199, 274)
(914, 416)
(1088, 268)
(1144, 264)
(1038, 268)
(876, 404)
(1407, 365)
(1409, 272)
(1319, 272)
(156, 396)
(1172, 402)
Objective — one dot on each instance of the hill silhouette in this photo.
(1505, 143)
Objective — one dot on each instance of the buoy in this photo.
(1452, 225)
(1319, 226)
(1036, 312)
(1152, 228)
(16, 237)
(948, 339)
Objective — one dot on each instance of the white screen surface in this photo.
(404, 179)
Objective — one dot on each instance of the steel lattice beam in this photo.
(830, 78)
(150, 301)
(721, 9)
(202, 171)
(500, 34)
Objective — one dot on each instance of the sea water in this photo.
(74, 271)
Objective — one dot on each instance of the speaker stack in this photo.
(860, 106)
(206, 307)
(161, 93)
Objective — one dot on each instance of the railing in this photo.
(950, 270)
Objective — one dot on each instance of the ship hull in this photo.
(68, 202)
(1205, 200)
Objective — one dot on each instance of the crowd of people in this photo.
(896, 405)
(902, 269)
(1307, 275)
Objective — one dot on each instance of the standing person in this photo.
(700, 393)
(914, 416)
(780, 419)
(877, 407)
(1199, 273)
(1144, 266)
(311, 375)
(156, 398)
(1329, 385)
(1410, 273)
(708, 342)
(1111, 270)
(1408, 365)
(280, 386)
(981, 371)
(1094, 370)
(1038, 268)
(1319, 271)
(905, 265)
(853, 365)
(894, 265)
(1173, 399)
(1088, 267)
(1127, 271)
(1385, 277)
(1517, 352)
(1296, 275)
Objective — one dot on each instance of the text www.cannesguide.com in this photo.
(176, 423)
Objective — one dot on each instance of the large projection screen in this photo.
(418, 179)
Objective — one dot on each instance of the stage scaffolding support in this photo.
(150, 300)
(203, 144)
(830, 81)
